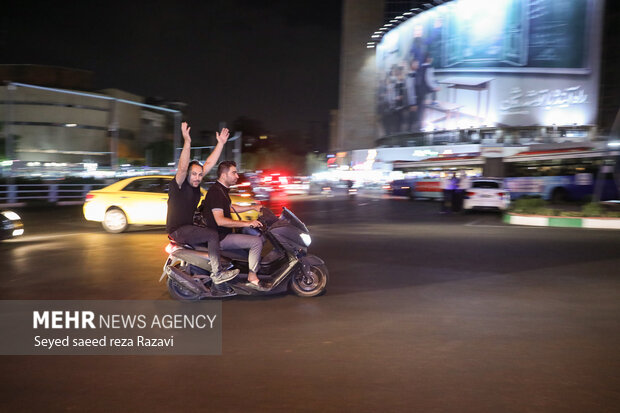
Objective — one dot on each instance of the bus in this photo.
(423, 178)
(557, 175)
(560, 176)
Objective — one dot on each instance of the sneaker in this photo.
(224, 276)
(257, 287)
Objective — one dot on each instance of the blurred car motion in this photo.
(402, 187)
(486, 193)
(297, 185)
(275, 181)
(141, 200)
(12, 225)
(249, 186)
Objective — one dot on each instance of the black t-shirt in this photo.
(217, 198)
(181, 205)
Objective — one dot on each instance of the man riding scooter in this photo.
(216, 209)
(183, 198)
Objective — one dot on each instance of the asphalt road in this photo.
(424, 312)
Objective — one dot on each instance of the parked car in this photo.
(486, 193)
(12, 225)
(140, 200)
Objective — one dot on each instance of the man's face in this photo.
(230, 177)
(194, 177)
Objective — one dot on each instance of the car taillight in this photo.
(89, 197)
(470, 193)
(500, 194)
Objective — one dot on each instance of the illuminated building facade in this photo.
(479, 77)
(51, 115)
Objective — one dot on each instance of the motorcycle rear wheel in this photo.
(312, 285)
(178, 292)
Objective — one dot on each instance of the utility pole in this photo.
(8, 127)
(176, 151)
(113, 134)
(237, 149)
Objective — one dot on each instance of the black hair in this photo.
(192, 163)
(224, 166)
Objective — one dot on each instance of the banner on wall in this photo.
(473, 63)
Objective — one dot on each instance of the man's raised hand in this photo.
(222, 137)
(185, 130)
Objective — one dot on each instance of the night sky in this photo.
(275, 61)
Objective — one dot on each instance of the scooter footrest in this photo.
(222, 289)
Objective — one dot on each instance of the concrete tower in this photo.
(356, 119)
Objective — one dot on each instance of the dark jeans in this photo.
(195, 235)
(457, 200)
(448, 198)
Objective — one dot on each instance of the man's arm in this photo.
(223, 221)
(221, 137)
(240, 208)
(184, 158)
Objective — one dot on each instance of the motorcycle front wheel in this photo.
(312, 284)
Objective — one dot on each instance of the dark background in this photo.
(274, 61)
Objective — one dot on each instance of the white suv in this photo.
(486, 193)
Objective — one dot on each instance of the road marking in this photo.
(27, 238)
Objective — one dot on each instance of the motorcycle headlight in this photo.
(11, 215)
(306, 239)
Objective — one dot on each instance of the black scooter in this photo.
(287, 266)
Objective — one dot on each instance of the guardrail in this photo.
(59, 194)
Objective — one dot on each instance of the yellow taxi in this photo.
(141, 200)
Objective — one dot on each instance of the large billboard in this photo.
(473, 63)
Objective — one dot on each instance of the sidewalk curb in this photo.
(569, 222)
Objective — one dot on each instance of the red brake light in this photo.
(500, 194)
(89, 197)
(470, 193)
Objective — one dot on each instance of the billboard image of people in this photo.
(473, 63)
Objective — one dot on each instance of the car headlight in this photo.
(11, 215)
(306, 239)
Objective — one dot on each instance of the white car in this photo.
(486, 193)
